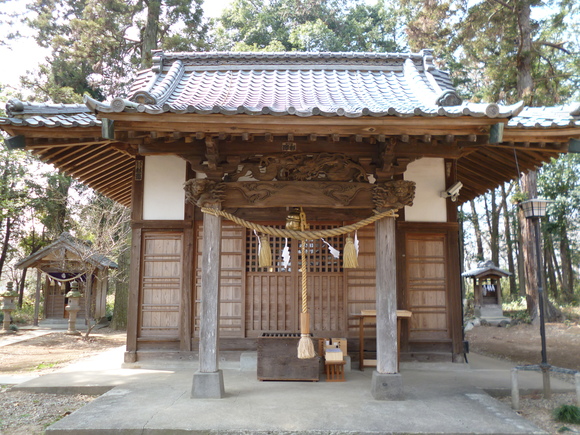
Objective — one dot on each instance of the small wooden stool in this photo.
(334, 371)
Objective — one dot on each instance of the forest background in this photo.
(500, 51)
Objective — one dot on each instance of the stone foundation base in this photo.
(130, 357)
(387, 386)
(208, 385)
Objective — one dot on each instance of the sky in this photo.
(24, 55)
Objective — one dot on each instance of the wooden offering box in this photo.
(278, 359)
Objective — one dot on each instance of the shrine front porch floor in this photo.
(439, 398)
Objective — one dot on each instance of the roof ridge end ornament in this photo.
(120, 104)
(92, 104)
(143, 97)
(575, 109)
(492, 110)
(157, 57)
(427, 54)
(449, 98)
(13, 106)
(517, 108)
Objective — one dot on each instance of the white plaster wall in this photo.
(164, 196)
(428, 206)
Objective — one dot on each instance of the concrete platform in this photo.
(438, 398)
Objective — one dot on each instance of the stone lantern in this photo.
(73, 308)
(8, 305)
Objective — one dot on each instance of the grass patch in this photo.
(567, 414)
(43, 365)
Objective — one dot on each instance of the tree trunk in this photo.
(549, 258)
(119, 321)
(21, 286)
(493, 223)
(529, 186)
(509, 243)
(525, 84)
(5, 243)
(567, 270)
(476, 228)
(150, 33)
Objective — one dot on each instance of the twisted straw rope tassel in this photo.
(305, 345)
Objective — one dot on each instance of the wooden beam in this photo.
(108, 128)
(111, 163)
(558, 147)
(104, 179)
(326, 194)
(212, 153)
(496, 133)
(369, 124)
(178, 147)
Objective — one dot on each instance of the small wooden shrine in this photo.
(64, 261)
(487, 287)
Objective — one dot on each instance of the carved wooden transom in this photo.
(301, 167)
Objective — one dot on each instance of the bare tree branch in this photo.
(558, 46)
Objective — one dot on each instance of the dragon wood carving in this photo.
(203, 192)
(398, 193)
(303, 167)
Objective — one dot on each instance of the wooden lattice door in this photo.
(273, 295)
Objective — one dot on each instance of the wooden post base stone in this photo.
(387, 386)
(208, 385)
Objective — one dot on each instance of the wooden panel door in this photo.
(161, 283)
(426, 286)
(55, 301)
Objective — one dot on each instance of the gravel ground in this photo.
(24, 413)
(539, 411)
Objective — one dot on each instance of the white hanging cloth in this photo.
(334, 252)
(286, 255)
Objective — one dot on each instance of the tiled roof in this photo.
(27, 114)
(67, 241)
(293, 83)
(485, 267)
(302, 84)
(547, 117)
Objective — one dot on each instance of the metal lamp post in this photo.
(535, 209)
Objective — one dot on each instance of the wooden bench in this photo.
(368, 318)
(334, 371)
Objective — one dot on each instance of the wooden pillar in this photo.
(208, 381)
(133, 304)
(135, 262)
(89, 298)
(188, 286)
(210, 275)
(386, 296)
(37, 296)
(386, 383)
(46, 293)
